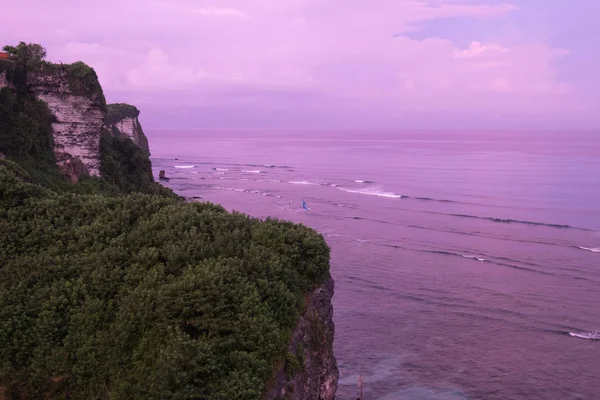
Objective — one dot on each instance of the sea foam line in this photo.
(372, 192)
(586, 335)
(593, 249)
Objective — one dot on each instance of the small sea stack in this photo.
(162, 176)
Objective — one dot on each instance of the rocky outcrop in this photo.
(7, 68)
(78, 120)
(122, 121)
(310, 371)
(3, 79)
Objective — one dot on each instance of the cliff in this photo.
(122, 121)
(158, 298)
(75, 99)
(310, 370)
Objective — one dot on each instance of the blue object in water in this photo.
(304, 205)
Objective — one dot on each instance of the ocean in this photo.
(466, 264)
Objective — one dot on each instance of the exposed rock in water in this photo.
(122, 121)
(162, 176)
(310, 372)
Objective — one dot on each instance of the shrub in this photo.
(145, 297)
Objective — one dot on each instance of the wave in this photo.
(372, 192)
(586, 335)
(515, 221)
(253, 171)
(247, 165)
(302, 183)
(430, 199)
(474, 257)
(449, 253)
(359, 181)
(185, 166)
(593, 249)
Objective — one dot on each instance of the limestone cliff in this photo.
(75, 99)
(310, 371)
(122, 121)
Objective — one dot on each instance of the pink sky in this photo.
(331, 63)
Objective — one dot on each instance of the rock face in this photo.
(6, 70)
(311, 373)
(3, 80)
(122, 121)
(77, 125)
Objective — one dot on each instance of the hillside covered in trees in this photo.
(115, 288)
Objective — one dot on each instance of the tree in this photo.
(29, 55)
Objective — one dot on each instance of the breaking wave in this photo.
(360, 181)
(593, 249)
(302, 183)
(185, 166)
(474, 257)
(514, 221)
(595, 335)
(257, 171)
(372, 192)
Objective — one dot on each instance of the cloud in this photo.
(218, 12)
(476, 48)
(157, 71)
(357, 60)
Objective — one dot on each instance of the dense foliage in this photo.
(127, 166)
(144, 297)
(119, 111)
(26, 135)
(82, 79)
(28, 55)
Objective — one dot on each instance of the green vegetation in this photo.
(26, 130)
(119, 111)
(83, 81)
(114, 288)
(145, 297)
(8, 67)
(127, 166)
(26, 135)
(30, 56)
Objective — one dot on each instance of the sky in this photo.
(331, 64)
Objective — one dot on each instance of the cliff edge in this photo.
(76, 101)
(122, 121)
(310, 370)
(145, 296)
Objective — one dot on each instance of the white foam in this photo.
(473, 257)
(372, 192)
(253, 171)
(185, 166)
(302, 183)
(594, 249)
(586, 335)
(357, 181)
